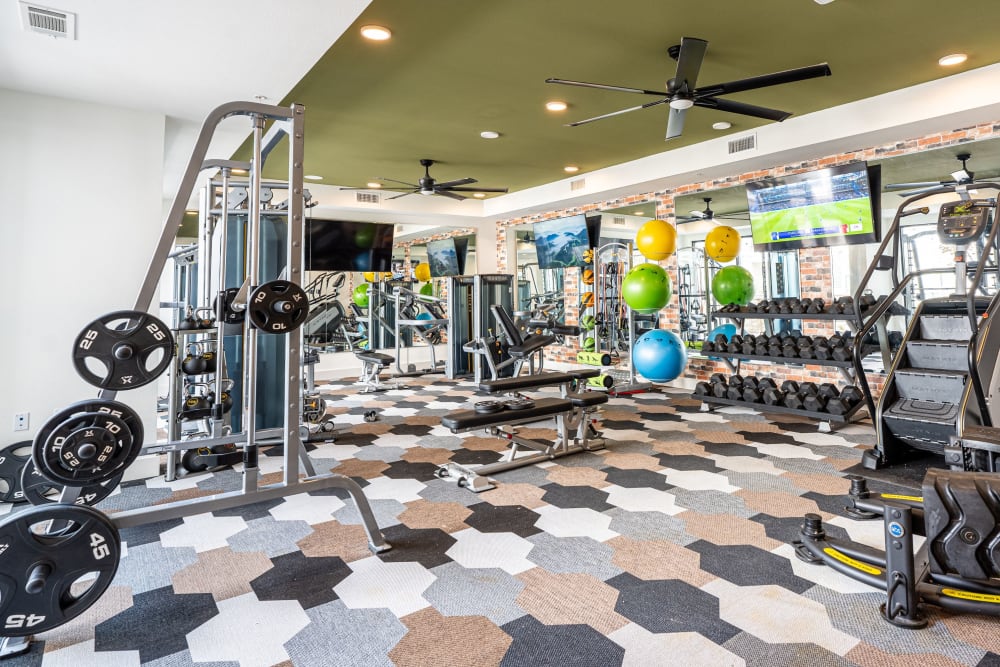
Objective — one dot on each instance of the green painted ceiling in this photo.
(451, 70)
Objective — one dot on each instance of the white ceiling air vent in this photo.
(618, 220)
(578, 184)
(48, 21)
(366, 197)
(747, 142)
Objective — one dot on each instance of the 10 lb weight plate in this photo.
(133, 347)
(278, 307)
(11, 465)
(40, 491)
(88, 443)
(55, 562)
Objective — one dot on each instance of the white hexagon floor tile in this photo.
(85, 653)
(698, 480)
(398, 587)
(575, 522)
(387, 488)
(781, 450)
(203, 532)
(505, 551)
(303, 507)
(749, 464)
(642, 499)
(282, 619)
(643, 648)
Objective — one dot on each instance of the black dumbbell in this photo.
(808, 388)
(836, 340)
(750, 382)
(750, 307)
(867, 301)
(735, 392)
(721, 340)
(718, 378)
(789, 350)
(773, 396)
(817, 306)
(703, 389)
(720, 389)
(735, 344)
(806, 352)
(766, 383)
(793, 400)
(751, 394)
(763, 305)
(843, 353)
(707, 346)
(790, 386)
(828, 390)
(845, 304)
(735, 380)
(841, 405)
(821, 349)
(815, 403)
(775, 307)
(748, 345)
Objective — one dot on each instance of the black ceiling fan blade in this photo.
(446, 193)
(477, 189)
(618, 113)
(412, 192)
(448, 184)
(675, 123)
(765, 80)
(393, 180)
(689, 60)
(742, 108)
(387, 189)
(603, 86)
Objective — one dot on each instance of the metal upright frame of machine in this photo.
(608, 305)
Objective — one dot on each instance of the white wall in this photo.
(81, 186)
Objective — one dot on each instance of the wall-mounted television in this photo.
(560, 243)
(444, 257)
(834, 206)
(339, 245)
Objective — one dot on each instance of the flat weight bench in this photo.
(572, 412)
(372, 364)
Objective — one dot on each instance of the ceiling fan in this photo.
(682, 94)
(426, 185)
(960, 177)
(709, 215)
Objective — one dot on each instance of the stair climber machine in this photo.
(934, 390)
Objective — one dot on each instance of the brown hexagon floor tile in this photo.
(577, 476)
(361, 468)
(373, 428)
(435, 455)
(185, 494)
(631, 461)
(434, 639)
(979, 631)
(222, 572)
(658, 559)
(542, 434)
(824, 484)
(449, 517)
(478, 443)
(566, 599)
(678, 447)
(758, 426)
(332, 538)
(720, 437)
(726, 529)
(780, 504)
(526, 495)
(423, 420)
(867, 655)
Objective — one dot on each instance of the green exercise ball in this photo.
(589, 344)
(360, 295)
(732, 284)
(427, 289)
(646, 288)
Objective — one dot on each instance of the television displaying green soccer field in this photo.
(831, 206)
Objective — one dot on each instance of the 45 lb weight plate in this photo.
(131, 348)
(11, 465)
(278, 307)
(55, 562)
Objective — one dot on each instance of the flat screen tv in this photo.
(339, 245)
(560, 243)
(443, 258)
(834, 206)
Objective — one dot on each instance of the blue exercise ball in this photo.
(424, 316)
(659, 355)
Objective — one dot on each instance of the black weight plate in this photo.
(488, 407)
(87, 448)
(11, 465)
(124, 342)
(40, 491)
(52, 552)
(519, 404)
(44, 454)
(230, 316)
(278, 307)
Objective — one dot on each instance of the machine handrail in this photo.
(974, 378)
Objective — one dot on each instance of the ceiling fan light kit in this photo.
(682, 93)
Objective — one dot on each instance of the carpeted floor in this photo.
(670, 547)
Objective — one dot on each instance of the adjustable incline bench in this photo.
(571, 411)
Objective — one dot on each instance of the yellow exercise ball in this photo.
(656, 240)
(368, 276)
(422, 272)
(722, 244)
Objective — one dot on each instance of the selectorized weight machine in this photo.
(57, 559)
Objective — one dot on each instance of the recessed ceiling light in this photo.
(313, 177)
(376, 33)
(478, 195)
(637, 213)
(489, 134)
(373, 184)
(722, 125)
(556, 105)
(952, 59)
(571, 169)
(239, 171)
(681, 103)
(191, 211)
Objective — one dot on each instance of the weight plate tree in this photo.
(11, 465)
(88, 443)
(42, 572)
(278, 307)
(125, 343)
(40, 491)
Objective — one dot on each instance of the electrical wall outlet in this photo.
(21, 421)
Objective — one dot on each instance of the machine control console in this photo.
(961, 222)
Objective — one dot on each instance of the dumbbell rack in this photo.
(826, 420)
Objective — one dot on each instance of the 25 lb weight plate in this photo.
(40, 491)
(88, 443)
(278, 307)
(11, 465)
(55, 562)
(133, 347)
